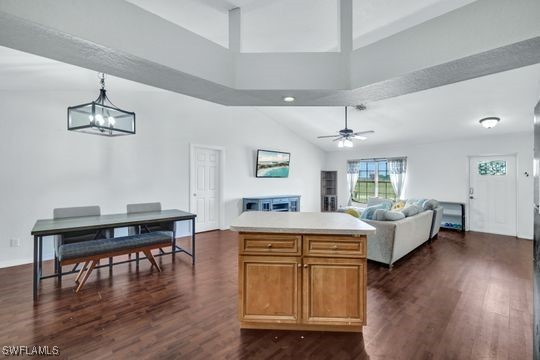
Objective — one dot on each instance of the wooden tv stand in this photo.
(305, 271)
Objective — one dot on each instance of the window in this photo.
(373, 181)
(495, 167)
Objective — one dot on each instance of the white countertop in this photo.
(301, 223)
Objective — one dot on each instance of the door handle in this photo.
(471, 197)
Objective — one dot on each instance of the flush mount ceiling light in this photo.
(489, 122)
(289, 98)
(101, 116)
(344, 136)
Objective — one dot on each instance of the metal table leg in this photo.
(36, 268)
(174, 245)
(193, 241)
(40, 261)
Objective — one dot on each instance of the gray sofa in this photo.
(395, 239)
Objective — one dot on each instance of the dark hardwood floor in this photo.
(461, 297)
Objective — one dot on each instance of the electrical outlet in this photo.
(15, 242)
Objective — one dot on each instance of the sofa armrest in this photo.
(437, 219)
(381, 244)
(411, 232)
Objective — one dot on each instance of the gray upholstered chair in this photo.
(141, 229)
(148, 207)
(76, 236)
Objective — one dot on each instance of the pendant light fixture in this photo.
(101, 116)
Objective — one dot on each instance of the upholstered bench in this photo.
(90, 252)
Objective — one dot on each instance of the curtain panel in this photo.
(353, 171)
(397, 169)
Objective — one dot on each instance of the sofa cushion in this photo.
(411, 210)
(430, 204)
(387, 204)
(394, 215)
(369, 212)
(380, 214)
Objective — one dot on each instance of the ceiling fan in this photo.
(345, 136)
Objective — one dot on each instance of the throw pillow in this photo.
(352, 212)
(411, 210)
(370, 211)
(394, 215)
(417, 202)
(376, 201)
(380, 214)
(430, 204)
(398, 205)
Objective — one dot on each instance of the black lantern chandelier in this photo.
(101, 116)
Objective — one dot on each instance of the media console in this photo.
(272, 203)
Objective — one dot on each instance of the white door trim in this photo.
(468, 207)
(221, 150)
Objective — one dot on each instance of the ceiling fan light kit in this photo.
(489, 122)
(346, 135)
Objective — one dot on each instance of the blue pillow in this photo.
(411, 210)
(369, 212)
(417, 202)
(377, 201)
(394, 215)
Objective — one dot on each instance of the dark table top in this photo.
(59, 226)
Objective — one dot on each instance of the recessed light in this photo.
(289, 98)
(490, 122)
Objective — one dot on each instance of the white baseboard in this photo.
(16, 262)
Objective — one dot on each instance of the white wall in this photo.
(44, 166)
(441, 170)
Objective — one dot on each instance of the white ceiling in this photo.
(374, 20)
(275, 26)
(20, 71)
(433, 115)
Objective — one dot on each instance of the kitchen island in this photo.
(302, 271)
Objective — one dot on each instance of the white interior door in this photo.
(492, 194)
(205, 188)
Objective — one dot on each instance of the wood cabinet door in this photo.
(269, 289)
(334, 291)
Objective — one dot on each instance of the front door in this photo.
(205, 188)
(492, 194)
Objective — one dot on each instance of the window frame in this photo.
(376, 181)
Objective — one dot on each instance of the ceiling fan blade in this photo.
(359, 137)
(339, 138)
(327, 136)
(364, 132)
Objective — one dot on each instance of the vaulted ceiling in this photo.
(387, 48)
(297, 25)
(439, 114)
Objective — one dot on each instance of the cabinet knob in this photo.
(334, 247)
(269, 246)
(306, 266)
(299, 265)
